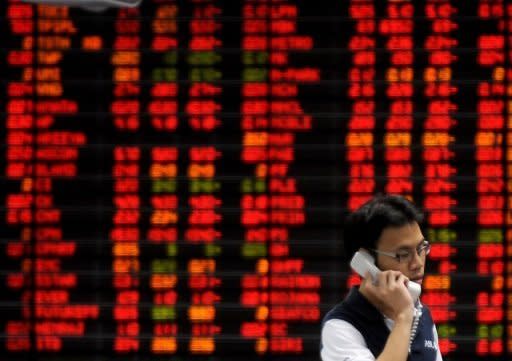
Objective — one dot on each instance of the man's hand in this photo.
(389, 295)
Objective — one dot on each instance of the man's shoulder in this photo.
(341, 340)
(339, 328)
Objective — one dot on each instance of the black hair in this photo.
(364, 226)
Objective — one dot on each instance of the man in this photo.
(379, 319)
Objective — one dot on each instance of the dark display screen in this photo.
(175, 177)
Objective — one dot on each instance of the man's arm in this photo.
(397, 345)
(341, 341)
(391, 297)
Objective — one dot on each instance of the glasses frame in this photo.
(423, 248)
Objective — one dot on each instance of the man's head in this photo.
(388, 227)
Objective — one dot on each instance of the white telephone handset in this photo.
(363, 262)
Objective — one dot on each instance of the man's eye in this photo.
(403, 254)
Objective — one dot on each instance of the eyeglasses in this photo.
(406, 255)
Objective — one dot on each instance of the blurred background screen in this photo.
(174, 177)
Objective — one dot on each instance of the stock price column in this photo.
(272, 116)
(125, 233)
(162, 234)
(507, 91)
(254, 123)
(19, 200)
(359, 140)
(490, 122)
(438, 153)
(359, 154)
(204, 113)
(293, 293)
(45, 156)
(397, 30)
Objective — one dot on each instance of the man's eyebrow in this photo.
(408, 248)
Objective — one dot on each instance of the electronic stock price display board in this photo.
(175, 177)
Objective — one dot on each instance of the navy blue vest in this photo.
(359, 312)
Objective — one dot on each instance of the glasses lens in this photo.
(404, 256)
(426, 248)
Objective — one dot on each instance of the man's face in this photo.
(394, 239)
